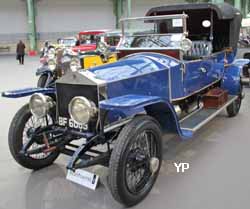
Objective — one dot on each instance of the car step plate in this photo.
(199, 118)
(84, 178)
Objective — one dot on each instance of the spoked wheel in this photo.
(234, 108)
(42, 81)
(21, 128)
(135, 161)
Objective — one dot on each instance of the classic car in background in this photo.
(246, 69)
(176, 73)
(58, 61)
(244, 40)
(111, 38)
(87, 40)
(67, 41)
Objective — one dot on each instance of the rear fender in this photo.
(232, 76)
(27, 92)
(158, 108)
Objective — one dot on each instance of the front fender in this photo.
(241, 62)
(128, 102)
(43, 70)
(159, 108)
(27, 92)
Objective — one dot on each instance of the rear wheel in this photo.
(21, 126)
(135, 160)
(234, 108)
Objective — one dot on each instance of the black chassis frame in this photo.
(63, 136)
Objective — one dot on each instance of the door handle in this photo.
(202, 69)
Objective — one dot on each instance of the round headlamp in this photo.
(186, 44)
(52, 64)
(75, 64)
(102, 47)
(81, 110)
(40, 105)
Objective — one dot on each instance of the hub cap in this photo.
(142, 162)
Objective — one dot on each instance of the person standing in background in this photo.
(20, 51)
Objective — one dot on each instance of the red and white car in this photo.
(87, 40)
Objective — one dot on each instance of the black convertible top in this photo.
(225, 24)
(224, 11)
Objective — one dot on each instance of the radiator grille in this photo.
(66, 92)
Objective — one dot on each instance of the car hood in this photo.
(133, 66)
(130, 67)
(139, 74)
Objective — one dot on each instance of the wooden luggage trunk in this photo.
(215, 98)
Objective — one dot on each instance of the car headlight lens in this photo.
(81, 110)
(52, 64)
(186, 44)
(75, 64)
(102, 47)
(40, 105)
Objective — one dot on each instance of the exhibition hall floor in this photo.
(218, 155)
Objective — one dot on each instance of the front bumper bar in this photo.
(82, 156)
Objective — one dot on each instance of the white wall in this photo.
(59, 16)
(74, 15)
(140, 7)
(13, 17)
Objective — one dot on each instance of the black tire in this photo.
(119, 162)
(234, 108)
(42, 81)
(15, 139)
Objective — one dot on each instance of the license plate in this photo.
(72, 124)
(83, 178)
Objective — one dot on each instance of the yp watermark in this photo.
(181, 167)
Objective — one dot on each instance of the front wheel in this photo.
(135, 160)
(42, 81)
(21, 126)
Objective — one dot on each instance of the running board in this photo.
(199, 118)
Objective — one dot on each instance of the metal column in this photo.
(31, 24)
(237, 4)
(118, 10)
(217, 1)
(129, 7)
(246, 7)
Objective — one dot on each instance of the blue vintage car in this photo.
(176, 72)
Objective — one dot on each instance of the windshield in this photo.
(153, 32)
(68, 42)
(88, 38)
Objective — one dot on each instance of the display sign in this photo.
(245, 22)
(83, 178)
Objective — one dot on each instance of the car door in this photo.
(201, 73)
(211, 71)
(193, 77)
